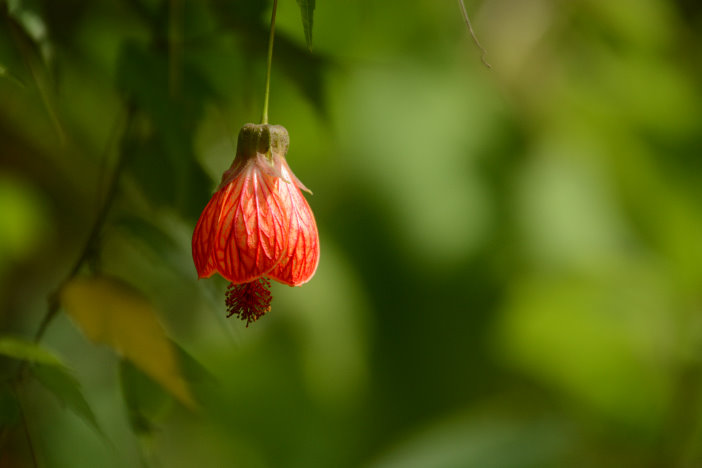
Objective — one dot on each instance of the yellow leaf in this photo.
(112, 312)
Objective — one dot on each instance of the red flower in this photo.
(257, 224)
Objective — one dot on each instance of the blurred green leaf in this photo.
(306, 70)
(30, 35)
(307, 12)
(112, 312)
(149, 233)
(11, 77)
(145, 400)
(143, 72)
(9, 407)
(194, 372)
(603, 340)
(52, 374)
(168, 174)
(241, 11)
(32, 24)
(23, 224)
(27, 351)
(480, 442)
(161, 155)
(63, 384)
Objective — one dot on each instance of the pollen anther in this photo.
(249, 301)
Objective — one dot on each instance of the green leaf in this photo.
(112, 312)
(193, 371)
(162, 160)
(60, 381)
(495, 442)
(11, 77)
(9, 406)
(32, 39)
(50, 371)
(158, 240)
(146, 401)
(27, 351)
(307, 12)
(305, 69)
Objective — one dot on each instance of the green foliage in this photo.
(304, 69)
(147, 403)
(495, 442)
(144, 399)
(64, 385)
(307, 12)
(24, 350)
(149, 233)
(50, 371)
(162, 157)
(110, 312)
(511, 258)
(7, 74)
(9, 407)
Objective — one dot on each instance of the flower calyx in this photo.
(265, 139)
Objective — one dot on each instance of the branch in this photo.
(25, 425)
(91, 242)
(483, 52)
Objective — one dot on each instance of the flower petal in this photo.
(302, 256)
(250, 234)
(203, 235)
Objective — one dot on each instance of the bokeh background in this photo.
(511, 268)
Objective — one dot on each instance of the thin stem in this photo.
(269, 63)
(89, 246)
(25, 425)
(483, 52)
(29, 49)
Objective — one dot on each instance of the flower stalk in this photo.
(257, 225)
(269, 64)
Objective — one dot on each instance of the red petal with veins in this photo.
(302, 257)
(202, 237)
(257, 223)
(243, 234)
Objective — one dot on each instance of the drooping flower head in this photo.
(257, 225)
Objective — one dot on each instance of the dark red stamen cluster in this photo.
(249, 301)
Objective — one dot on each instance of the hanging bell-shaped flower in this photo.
(257, 225)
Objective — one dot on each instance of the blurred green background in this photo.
(511, 266)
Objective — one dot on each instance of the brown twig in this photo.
(90, 243)
(483, 52)
(25, 425)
